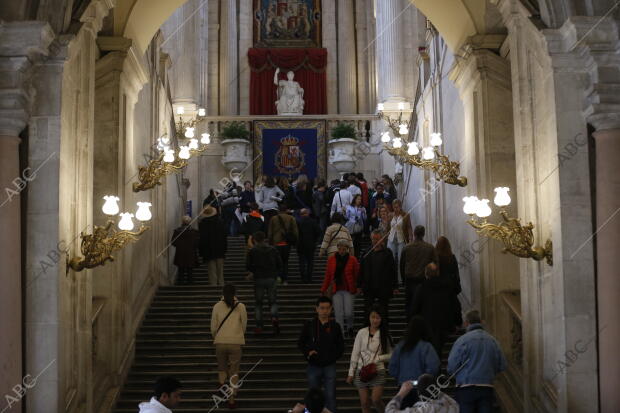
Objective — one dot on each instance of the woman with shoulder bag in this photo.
(356, 221)
(335, 233)
(228, 322)
(372, 348)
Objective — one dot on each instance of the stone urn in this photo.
(236, 154)
(342, 154)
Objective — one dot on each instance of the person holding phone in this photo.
(433, 400)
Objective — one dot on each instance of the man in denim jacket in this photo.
(475, 359)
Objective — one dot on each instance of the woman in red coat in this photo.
(341, 280)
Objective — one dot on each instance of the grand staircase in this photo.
(174, 340)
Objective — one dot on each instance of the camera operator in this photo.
(229, 201)
(314, 402)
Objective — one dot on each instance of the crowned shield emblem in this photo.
(289, 159)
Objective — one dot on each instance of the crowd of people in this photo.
(276, 217)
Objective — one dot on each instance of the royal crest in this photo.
(289, 159)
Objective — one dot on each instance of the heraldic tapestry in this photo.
(287, 23)
(290, 148)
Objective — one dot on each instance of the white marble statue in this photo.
(290, 95)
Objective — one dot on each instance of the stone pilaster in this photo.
(330, 42)
(213, 59)
(484, 83)
(21, 45)
(245, 42)
(229, 67)
(347, 73)
(389, 50)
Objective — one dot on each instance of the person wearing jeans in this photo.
(400, 233)
(322, 345)
(475, 359)
(283, 233)
(341, 281)
(264, 264)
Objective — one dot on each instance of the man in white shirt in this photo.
(354, 189)
(167, 395)
(432, 399)
(342, 199)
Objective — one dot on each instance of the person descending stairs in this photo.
(174, 340)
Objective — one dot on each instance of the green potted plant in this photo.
(342, 147)
(235, 130)
(235, 138)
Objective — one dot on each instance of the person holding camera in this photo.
(322, 345)
(433, 400)
(314, 402)
(268, 198)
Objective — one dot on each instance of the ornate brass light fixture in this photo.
(150, 175)
(97, 248)
(518, 239)
(429, 158)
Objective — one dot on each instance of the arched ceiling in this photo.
(455, 20)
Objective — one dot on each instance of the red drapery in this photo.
(309, 67)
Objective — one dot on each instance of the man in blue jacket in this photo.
(475, 359)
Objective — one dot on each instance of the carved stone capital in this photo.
(476, 64)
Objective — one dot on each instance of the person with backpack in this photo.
(228, 323)
(335, 233)
(283, 234)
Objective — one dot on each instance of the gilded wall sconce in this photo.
(97, 248)
(517, 239)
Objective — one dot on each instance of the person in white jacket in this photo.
(167, 396)
(432, 399)
(373, 344)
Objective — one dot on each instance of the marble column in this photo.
(330, 42)
(245, 42)
(390, 65)
(229, 68)
(213, 59)
(347, 73)
(608, 263)
(21, 45)
(363, 77)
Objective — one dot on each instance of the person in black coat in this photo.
(309, 234)
(378, 279)
(449, 271)
(322, 345)
(434, 301)
(252, 223)
(213, 244)
(185, 240)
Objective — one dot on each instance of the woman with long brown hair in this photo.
(449, 271)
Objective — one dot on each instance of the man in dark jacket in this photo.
(264, 263)
(185, 240)
(378, 279)
(252, 223)
(322, 345)
(434, 301)
(213, 244)
(413, 260)
(309, 233)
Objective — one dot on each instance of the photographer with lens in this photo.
(314, 402)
